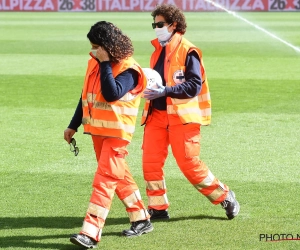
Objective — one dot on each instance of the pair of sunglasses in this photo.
(73, 147)
(158, 24)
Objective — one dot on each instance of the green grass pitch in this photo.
(252, 144)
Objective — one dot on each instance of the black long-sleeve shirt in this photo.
(188, 89)
(112, 89)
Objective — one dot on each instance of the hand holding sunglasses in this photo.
(73, 147)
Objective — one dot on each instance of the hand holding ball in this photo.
(154, 87)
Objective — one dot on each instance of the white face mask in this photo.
(163, 34)
(94, 52)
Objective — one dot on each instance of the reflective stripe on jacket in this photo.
(115, 119)
(191, 110)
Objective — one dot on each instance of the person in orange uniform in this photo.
(108, 109)
(173, 115)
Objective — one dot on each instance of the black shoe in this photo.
(158, 214)
(83, 241)
(231, 205)
(138, 228)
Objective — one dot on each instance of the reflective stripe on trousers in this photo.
(163, 130)
(112, 176)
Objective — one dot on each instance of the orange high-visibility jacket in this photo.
(114, 119)
(191, 110)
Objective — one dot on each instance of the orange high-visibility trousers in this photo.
(162, 130)
(112, 175)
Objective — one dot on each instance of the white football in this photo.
(153, 78)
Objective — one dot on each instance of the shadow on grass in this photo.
(51, 222)
(201, 217)
(196, 217)
(35, 241)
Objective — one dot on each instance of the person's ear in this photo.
(173, 26)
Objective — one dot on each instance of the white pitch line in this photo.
(254, 25)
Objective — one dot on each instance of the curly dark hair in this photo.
(112, 39)
(172, 14)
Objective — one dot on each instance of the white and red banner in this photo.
(147, 5)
